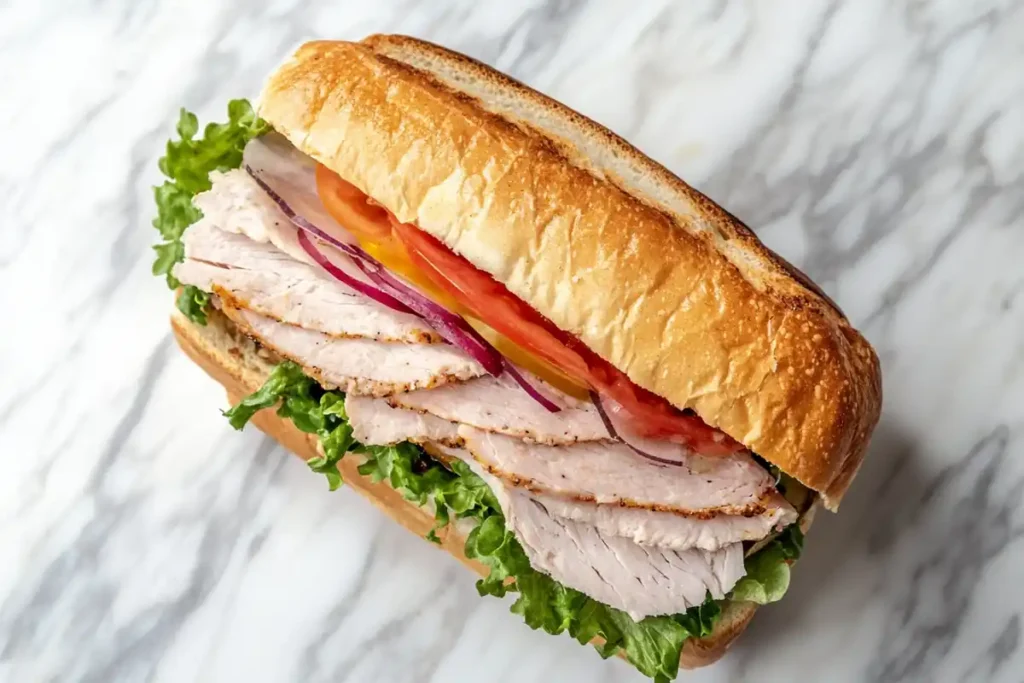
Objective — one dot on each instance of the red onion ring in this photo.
(295, 218)
(391, 293)
(440, 319)
(381, 297)
(389, 290)
(596, 398)
(534, 393)
(450, 326)
(396, 295)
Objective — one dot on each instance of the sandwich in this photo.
(523, 339)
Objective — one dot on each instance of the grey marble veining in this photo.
(879, 145)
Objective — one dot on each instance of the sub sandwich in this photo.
(522, 338)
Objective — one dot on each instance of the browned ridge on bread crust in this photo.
(603, 241)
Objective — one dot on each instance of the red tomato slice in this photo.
(350, 207)
(474, 290)
(491, 301)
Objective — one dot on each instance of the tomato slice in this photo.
(350, 207)
(491, 301)
(371, 225)
(462, 287)
(530, 361)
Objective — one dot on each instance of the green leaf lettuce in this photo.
(768, 570)
(651, 645)
(187, 163)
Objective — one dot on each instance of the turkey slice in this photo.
(612, 473)
(275, 285)
(669, 530)
(500, 405)
(375, 423)
(358, 366)
(642, 581)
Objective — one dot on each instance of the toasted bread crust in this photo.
(600, 239)
(229, 357)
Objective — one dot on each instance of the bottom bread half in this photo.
(237, 363)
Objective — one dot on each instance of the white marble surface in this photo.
(879, 144)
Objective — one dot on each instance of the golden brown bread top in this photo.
(600, 239)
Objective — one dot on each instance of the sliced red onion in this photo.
(289, 177)
(381, 297)
(648, 444)
(389, 290)
(534, 393)
(295, 218)
(293, 185)
(450, 326)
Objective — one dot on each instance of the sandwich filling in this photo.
(608, 490)
(401, 385)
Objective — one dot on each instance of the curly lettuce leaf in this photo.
(309, 407)
(286, 381)
(192, 302)
(768, 571)
(651, 645)
(187, 163)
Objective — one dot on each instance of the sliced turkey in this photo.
(651, 527)
(669, 530)
(359, 366)
(642, 581)
(237, 204)
(500, 405)
(292, 177)
(259, 277)
(207, 241)
(612, 473)
(242, 229)
(376, 423)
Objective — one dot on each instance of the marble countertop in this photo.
(877, 144)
